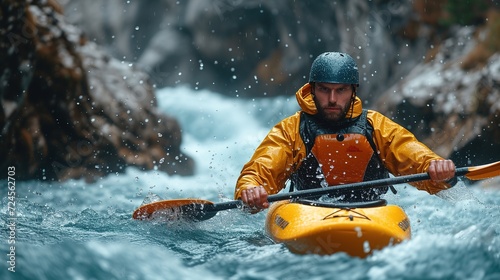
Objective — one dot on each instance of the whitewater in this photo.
(79, 230)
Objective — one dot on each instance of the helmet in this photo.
(335, 68)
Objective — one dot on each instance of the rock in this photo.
(452, 108)
(69, 110)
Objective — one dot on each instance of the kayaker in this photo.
(332, 140)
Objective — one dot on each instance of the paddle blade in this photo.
(483, 171)
(176, 209)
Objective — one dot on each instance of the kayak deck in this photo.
(307, 229)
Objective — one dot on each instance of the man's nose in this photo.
(332, 96)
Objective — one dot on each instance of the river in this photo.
(78, 230)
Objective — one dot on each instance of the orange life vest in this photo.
(340, 154)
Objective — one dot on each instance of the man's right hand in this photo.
(255, 198)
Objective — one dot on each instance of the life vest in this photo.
(339, 154)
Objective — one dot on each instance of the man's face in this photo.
(332, 100)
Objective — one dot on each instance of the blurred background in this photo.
(433, 66)
(258, 48)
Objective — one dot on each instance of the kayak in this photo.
(357, 229)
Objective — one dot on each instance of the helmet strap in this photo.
(353, 98)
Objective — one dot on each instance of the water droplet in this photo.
(366, 247)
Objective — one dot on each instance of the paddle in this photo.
(199, 209)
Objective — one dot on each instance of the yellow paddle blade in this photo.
(484, 171)
(175, 208)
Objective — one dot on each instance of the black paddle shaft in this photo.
(336, 190)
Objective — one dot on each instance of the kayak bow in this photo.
(309, 229)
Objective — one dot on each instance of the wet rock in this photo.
(451, 107)
(69, 110)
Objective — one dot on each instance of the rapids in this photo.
(78, 230)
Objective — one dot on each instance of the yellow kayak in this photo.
(318, 228)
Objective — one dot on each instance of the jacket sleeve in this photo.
(402, 153)
(274, 159)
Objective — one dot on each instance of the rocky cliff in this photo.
(70, 110)
(451, 101)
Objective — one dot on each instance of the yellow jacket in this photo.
(282, 150)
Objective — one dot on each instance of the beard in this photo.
(329, 115)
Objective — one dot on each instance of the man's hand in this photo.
(441, 170)
(255, 198)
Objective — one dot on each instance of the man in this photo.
(333, 141)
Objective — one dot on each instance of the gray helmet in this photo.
(335, 68)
